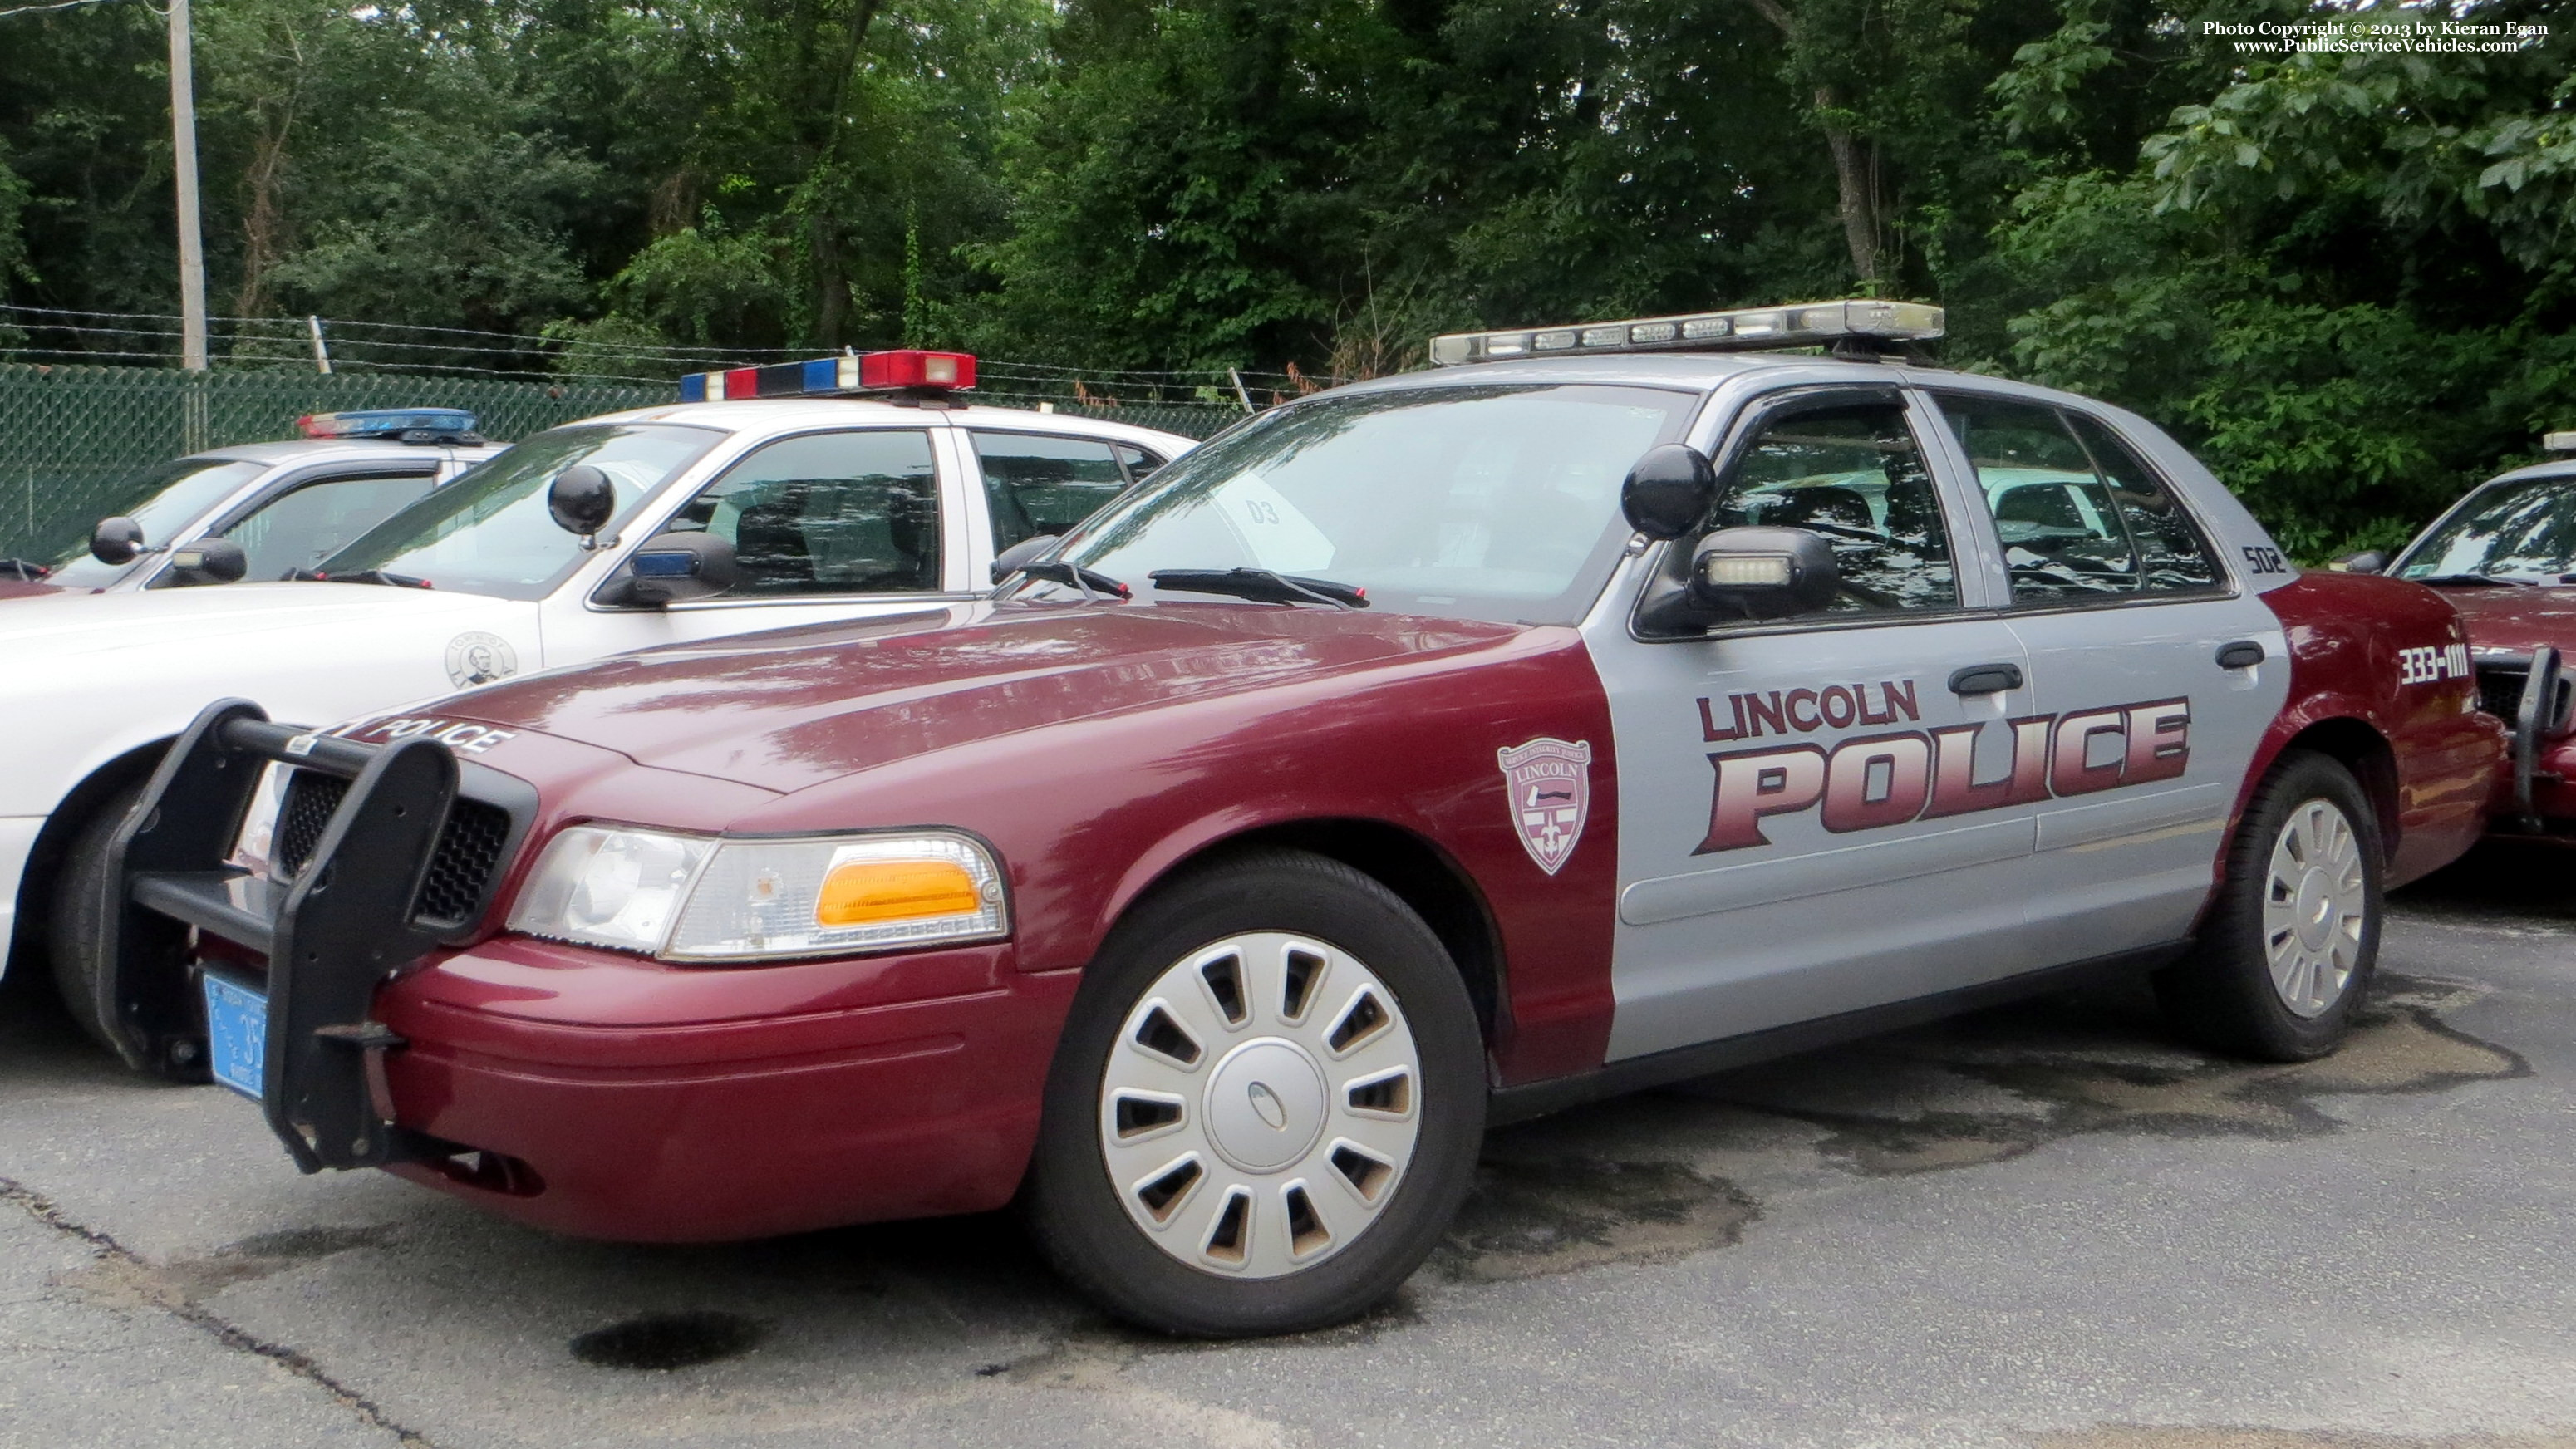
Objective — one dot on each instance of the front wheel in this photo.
(2290, 944)
(1266, 1107)
(76, 926)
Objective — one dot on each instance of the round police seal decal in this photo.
(475, 657)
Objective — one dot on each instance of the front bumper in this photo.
(585, 1091)
(631, 1100)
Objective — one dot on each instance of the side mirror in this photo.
(582, 500)
(1009, 560)
(1764, 573)
(117, 540)
(2369, 561)
(1669, 491)
(673, 567)
(210, 561)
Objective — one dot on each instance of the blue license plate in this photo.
(237, 1034)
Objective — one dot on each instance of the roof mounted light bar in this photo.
(900, 370)
(1746, 329)
(2558, 442)
(409, 425)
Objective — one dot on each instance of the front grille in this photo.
(460, 870)
(2500, 689)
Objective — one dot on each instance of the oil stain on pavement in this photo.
(1599, 1185)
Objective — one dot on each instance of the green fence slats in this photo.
(69, 435)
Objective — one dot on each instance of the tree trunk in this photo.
(1855, 159)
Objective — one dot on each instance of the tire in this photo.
(1297, 1169)
(74, 926)
(2289, 946)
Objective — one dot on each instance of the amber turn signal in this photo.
(862, 892)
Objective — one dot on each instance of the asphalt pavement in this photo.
(2046, 1226)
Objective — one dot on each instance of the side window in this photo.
(1040, 485)
(2072, 529)
(1853, 475)
(302, 527)
(1137, 461)
(2171, 552)
(827, 513)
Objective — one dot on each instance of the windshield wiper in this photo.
(1261, 586)
(2497, 581)
(357, 576)
(1092, 582)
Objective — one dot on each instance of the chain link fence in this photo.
(71, 435)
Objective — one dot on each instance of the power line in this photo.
(63, 5)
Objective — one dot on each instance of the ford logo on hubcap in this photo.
(1267, 1103)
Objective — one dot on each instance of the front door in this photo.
(1835, 812)
(824, 526)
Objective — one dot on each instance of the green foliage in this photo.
(2347, 278)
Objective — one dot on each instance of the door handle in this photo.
(2243, 654)
(1985, 679)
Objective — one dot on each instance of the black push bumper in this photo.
(347, 919)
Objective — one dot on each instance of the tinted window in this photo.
(2076, 521)
(1138, 461)
(1492, 501)
(1854, 476)
(298, 530)
(828, 513)
(1040, 485)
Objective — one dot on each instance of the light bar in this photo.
(2558, 442)
(1747, 329)
(387, 423)
(906, 369)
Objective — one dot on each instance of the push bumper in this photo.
(2537, 797)
(588, 1092)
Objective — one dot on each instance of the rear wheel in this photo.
(1266, 1107)
(76, 925)
(2289, 946)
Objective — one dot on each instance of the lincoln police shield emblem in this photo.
(1550, 783)
(476, 658)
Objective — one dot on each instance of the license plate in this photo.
(237, 1034)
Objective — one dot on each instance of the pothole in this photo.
(668, 1340)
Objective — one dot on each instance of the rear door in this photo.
(1834, 812)
(2123, 606)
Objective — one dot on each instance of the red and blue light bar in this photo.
(900, 370)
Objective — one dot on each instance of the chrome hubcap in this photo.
(1260, 1105)
(2315, 902)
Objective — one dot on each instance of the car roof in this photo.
(789, 413)
(307, 450)
(2555, 468)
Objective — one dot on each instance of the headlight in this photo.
(691, 898)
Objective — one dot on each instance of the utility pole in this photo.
(183, 149)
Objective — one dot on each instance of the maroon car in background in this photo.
(2505, 556)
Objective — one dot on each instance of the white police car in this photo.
(778, 500)
(257, 510)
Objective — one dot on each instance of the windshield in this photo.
(1498, 502)
(489, 532)
(165, 501)
(2524, 530)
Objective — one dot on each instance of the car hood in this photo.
(793, 708)
(21, 589)
(2516, 620)
(165, 629)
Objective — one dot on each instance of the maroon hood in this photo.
(18, 589)
(791, 708)
(2516, 619)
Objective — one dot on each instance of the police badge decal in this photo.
(475, 657)
(1550, 783)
